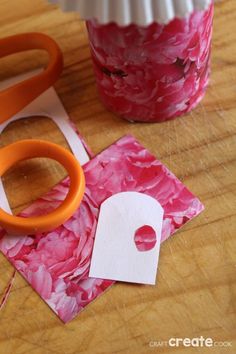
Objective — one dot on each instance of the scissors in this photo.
(12, 101)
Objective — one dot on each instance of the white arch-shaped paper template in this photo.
(47, 105)
(115, 255)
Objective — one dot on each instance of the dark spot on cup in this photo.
(118, 72)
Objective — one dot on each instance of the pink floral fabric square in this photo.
(56, 264)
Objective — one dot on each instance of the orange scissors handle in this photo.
(15, 98)
(26, 149)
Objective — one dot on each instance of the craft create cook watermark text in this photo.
(189, 342)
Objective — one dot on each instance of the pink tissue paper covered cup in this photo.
(152, 73)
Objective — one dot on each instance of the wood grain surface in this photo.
(196, 290)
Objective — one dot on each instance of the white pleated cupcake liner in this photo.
(140, 12)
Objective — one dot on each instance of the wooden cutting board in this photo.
(196, 290)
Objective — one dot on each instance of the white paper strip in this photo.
(120, 252)
(48, 105)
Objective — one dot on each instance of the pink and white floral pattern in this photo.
(156, 72)
(145, 238)
(56, 264)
